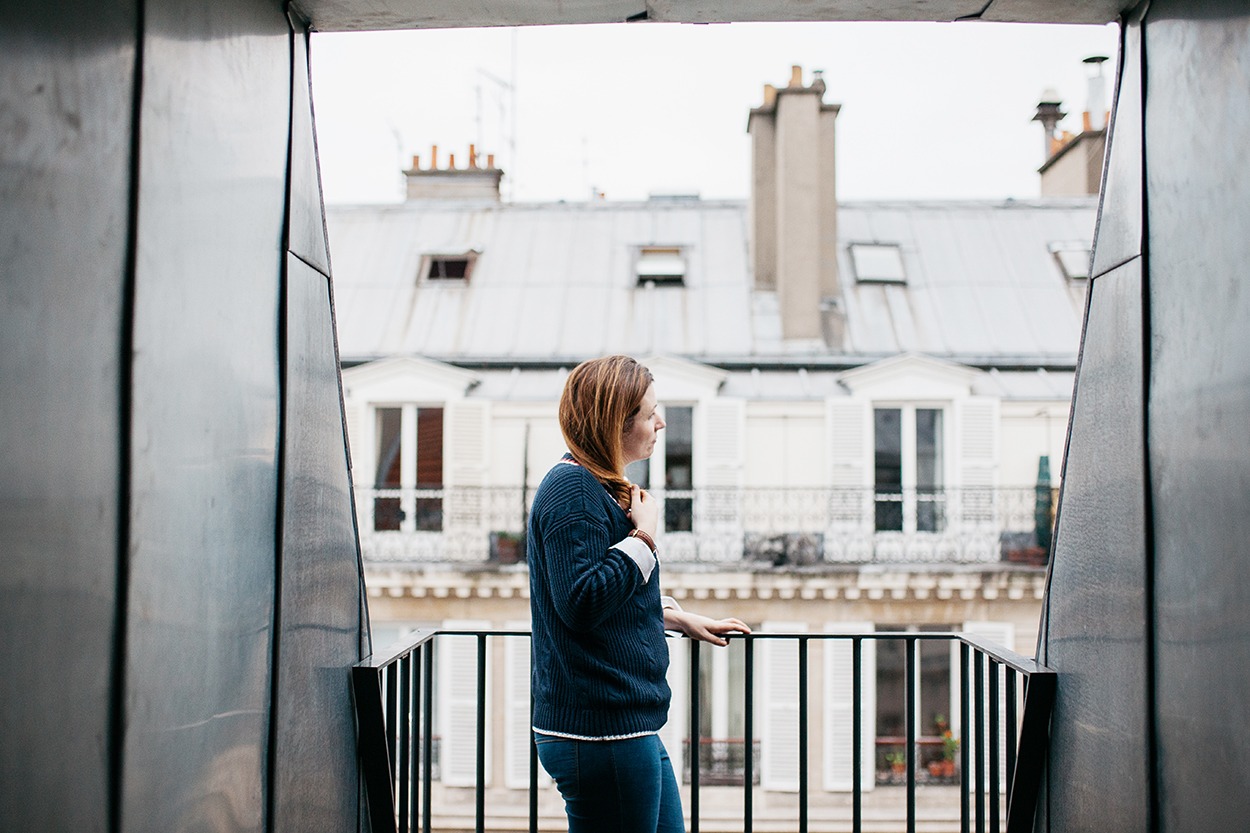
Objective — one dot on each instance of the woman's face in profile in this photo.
(641, 431)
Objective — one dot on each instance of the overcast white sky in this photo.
(928, 110)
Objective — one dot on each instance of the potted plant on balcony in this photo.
(950, 746)
(898, 762)
(507, 547)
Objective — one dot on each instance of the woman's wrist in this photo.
(645, 538)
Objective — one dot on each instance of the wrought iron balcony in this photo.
(1004, 707)
(753, 527)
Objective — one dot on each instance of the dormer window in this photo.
(660, 265)
(877, 263)
(447, 267)
(1072, 258)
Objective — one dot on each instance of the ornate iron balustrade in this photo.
(722, 761)
(752, 526)
(1005, 705)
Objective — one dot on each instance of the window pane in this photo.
(679, 468)
(387, 512)
(429, 467)
(930, 499)
(888, 462)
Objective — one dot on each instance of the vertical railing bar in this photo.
(803, 734)
(909, 699)
(748, 779)
(1039, 701)
(392, 723)
(979, 703)
(1013, 739)
(414, 768)
(374, 757)
(693, 736)
(427, 718)
(405, 737)
(533, 758)
(994, 669)
(481, 733)
(857, 730)
(965, 726)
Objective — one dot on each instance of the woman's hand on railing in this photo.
(701, 627)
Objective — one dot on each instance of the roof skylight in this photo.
(878, 263)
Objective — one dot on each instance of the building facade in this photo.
(866, 408)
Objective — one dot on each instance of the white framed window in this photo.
(670, 468)
(909, 468)
(408, 468)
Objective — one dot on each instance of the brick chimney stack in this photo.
(451, 183)
(794, 207)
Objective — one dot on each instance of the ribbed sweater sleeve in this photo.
(589, 579)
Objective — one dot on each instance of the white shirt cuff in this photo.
(669, 603)
(639, 553)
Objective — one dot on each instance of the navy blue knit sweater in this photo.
(599, 656)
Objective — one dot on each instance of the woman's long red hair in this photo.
(601, 397)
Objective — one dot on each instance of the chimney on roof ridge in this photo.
(452, 183)
(794, 207)
(1096, 104)
(1072, 165)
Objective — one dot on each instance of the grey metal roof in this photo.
(554, 283)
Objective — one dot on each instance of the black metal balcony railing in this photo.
(762, 526)
(394, 705)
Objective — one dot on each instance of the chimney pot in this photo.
(416, 162)
(770, 95)
(472, 156)
(796, 76)
(490, 161)
(433, 157)
(451, 161)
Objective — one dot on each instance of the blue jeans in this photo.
(614, 786)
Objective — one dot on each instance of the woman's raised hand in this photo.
(644, 510)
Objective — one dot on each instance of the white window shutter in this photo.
(457, 706)
(674, 733)
(724, 427)
(464, 471)
(465, 424)
(718, 497)
(839, 705)
(976, 454)
(977, 432)
(850, 443)
(850, 533)
(1004, 634)
(779, 740)
(517, 723)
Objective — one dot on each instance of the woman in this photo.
(599, 655)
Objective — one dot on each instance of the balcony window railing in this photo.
(752, 526)
(1004, 708)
